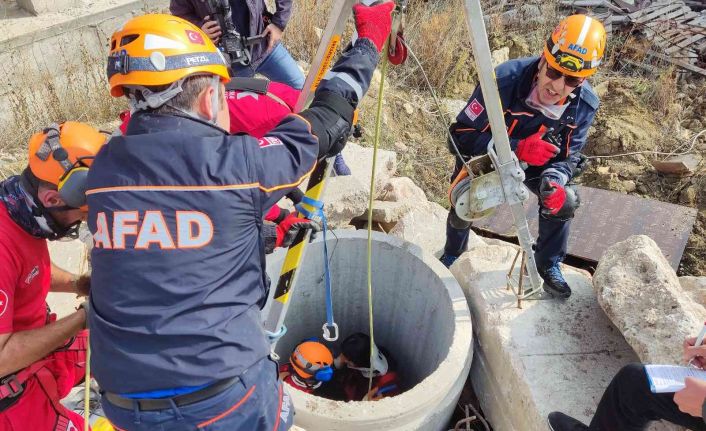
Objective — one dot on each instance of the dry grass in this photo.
(301, 34)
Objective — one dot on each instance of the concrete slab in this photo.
(551, 355)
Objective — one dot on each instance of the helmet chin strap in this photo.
(51, 228)
(153, 100)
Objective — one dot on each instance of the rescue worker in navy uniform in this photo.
(539, 94)
(176, 209)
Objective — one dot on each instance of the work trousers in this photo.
(552, 242)
(256, 402)
(629, 405)
(278, 66)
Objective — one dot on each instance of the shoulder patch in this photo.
(269, 141)
(474, 109)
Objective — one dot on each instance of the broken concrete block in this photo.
(425, 225)
(695, 287)
(452, 107)
(678, 165)
(641, 294)
(402, 189)
(629, 186)
(345, 198)
(360, 161)
(388, 212)
(530, 361)
(688, 196)
(400, 146)
(523, 15)
(500, 56)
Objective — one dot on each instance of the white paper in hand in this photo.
(670, 378)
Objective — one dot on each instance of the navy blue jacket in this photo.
(515, 77)
(176, 208)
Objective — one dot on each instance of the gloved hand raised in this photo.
(374, 22)
(535, 151)
(288, 229)
(553, 195)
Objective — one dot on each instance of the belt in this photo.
(166, 403)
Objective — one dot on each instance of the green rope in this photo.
(376, 141)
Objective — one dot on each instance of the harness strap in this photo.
(13, 385)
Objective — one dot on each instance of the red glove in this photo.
(374, 22)
(536, 151)
(288, 229)
(553, 195)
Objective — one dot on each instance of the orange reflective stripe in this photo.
(200, 188)
(279, 408)
(568, 142)
(465, 130)
(294, 184)
(512, 127)
(229, 411)
(528, 114)
(172, 188)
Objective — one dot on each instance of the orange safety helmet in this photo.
(576, 46)
(312, 359)
(61, 155)
(158, 50)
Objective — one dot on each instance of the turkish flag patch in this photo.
(195, 37)
(269, 141)
(474, 109)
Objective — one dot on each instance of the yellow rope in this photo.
(376, 141)
(87, 394)
(87, 379)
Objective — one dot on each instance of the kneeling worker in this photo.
(42, 358)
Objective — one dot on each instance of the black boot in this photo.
(561, 422)
(554, 282)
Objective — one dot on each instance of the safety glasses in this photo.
(553, 74)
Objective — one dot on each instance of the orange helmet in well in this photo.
(309, 358)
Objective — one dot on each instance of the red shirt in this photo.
(355, 385)
(286, 368)
(257, 114)
(25, 277)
